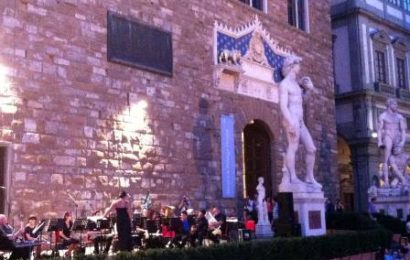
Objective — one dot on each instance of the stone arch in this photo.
(268, 115)
(257, 159)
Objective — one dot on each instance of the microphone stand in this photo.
(75, 204)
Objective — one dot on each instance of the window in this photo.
(406, 5)
(297, 14)
(401, 73)
(380, 67)
(257, 4)
(394, 2)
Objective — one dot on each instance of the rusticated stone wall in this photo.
(78, 124)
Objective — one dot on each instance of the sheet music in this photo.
(96, 218)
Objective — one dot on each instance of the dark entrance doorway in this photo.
(345, 168)
(257, 157)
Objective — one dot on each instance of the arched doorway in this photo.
(257, 157)
(345, 169)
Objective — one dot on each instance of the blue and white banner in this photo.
(228, 156)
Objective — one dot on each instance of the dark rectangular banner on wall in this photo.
(228, 156)
(139, 45)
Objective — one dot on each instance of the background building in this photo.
(371, 54)
(100, 96)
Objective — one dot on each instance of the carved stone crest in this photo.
(256, 51)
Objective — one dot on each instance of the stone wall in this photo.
(76, 123)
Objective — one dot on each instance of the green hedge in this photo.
(350, 221)
(393, 224)
(321, 247)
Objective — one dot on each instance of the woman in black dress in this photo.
(121, 206)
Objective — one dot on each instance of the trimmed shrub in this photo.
(321, 247)
(349, 221)
(393, 224)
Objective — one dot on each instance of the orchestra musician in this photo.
(28, 230)
(29, 235)
(218, 227)
(200, 230)
(182, 234)
(65, 233)
(7, 232)
(122, 208)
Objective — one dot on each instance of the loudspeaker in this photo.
(285, 207)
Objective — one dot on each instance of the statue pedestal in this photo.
(263, 230)
(310, 210)
(309, 207)
(392, 201)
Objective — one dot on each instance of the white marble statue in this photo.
(399, 161)
(262, 208)
(391, 135)
(291, 91)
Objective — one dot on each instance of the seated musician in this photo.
(218, 228)
(28, 232)
(65, 234)
(7, 232)
(182, 234)
(199, 231)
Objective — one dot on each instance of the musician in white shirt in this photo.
(217, 227)
(7, 232)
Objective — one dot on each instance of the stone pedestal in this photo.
(310, 211)
(309, 207)
(263, 230)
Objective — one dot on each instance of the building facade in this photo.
(161, 97)
(371, 55)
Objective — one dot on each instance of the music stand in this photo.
(103, 224)
(56, 224)
(80, 224)
(151, 226)
(136, 220)
(91, 225)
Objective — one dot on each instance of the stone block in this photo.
(31, 138)
(64, 160)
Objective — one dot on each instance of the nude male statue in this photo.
(291, 98)
(391, 133)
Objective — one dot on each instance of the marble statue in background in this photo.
(291, 91)
(398, 162)
(391, 136)
(262, 207)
